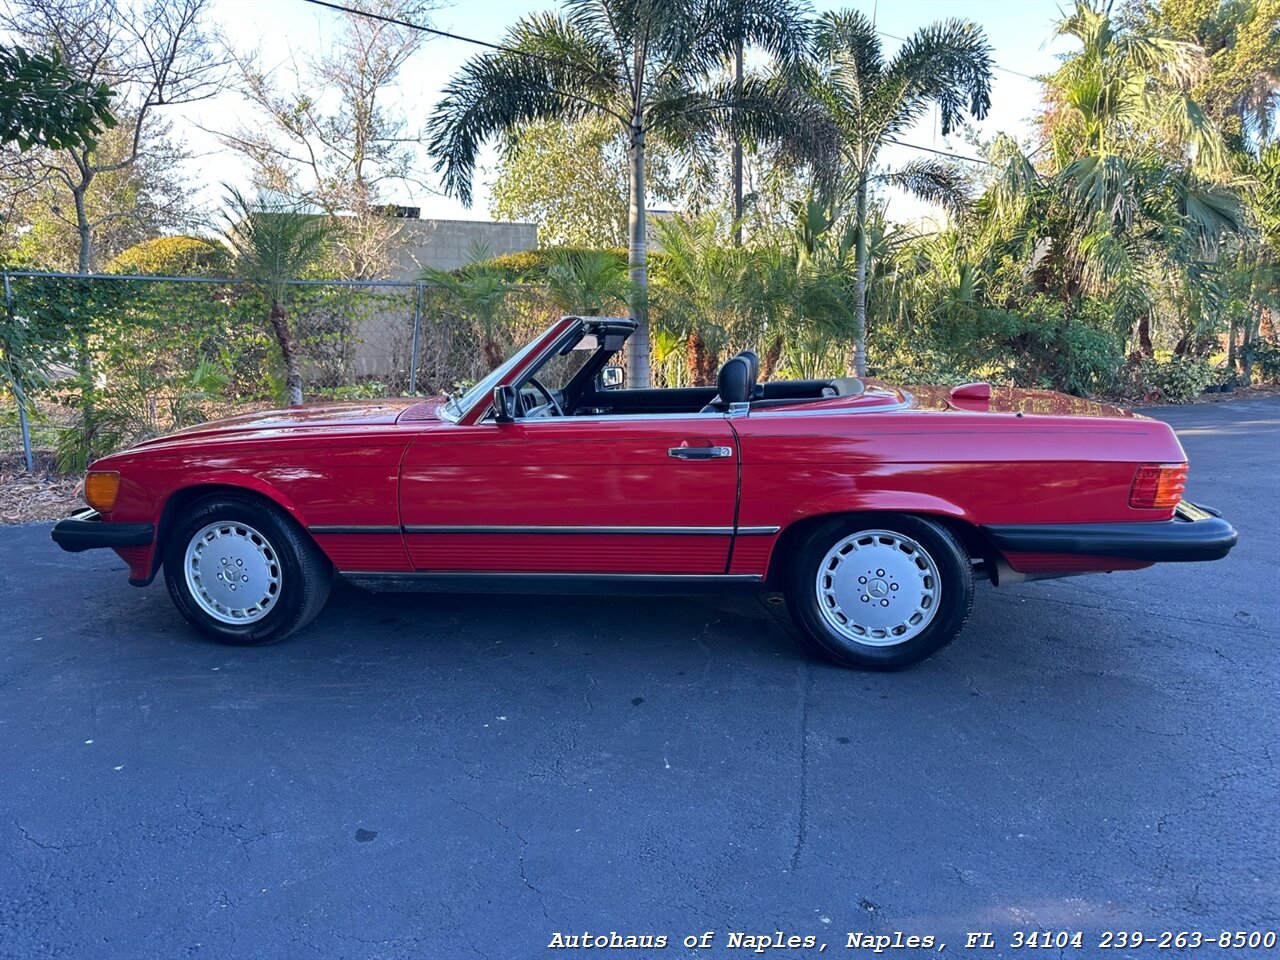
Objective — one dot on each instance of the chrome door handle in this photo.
(699, 453)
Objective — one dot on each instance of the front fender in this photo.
(158, 505)
(242, 480)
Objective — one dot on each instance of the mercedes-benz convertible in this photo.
(872, 508)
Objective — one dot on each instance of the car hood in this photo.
(310, 417)
(970, 399)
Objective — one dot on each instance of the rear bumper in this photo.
(86, 530)
(1194, 534)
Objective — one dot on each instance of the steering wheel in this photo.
(551, 408)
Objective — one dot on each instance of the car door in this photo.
(622, 496)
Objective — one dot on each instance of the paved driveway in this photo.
(441, 777)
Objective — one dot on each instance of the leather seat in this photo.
(735, 383)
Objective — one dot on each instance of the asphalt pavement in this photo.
(469, 776)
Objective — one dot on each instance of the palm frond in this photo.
(933, 180)
(1185, 120)
(274, 240)
(759, 110)
(948, 64)
(565, 75)
(849, 69)
(1213, 211)
(589, 282)
(778, 28)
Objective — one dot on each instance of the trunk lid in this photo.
(1007, 400)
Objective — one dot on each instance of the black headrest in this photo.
(735, 380)
(754, 359)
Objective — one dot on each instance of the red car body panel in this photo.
(392, 487)
(571, 472)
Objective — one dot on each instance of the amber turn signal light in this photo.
(100, 489)
(1158, 486)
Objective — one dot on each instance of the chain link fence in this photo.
(93, 363)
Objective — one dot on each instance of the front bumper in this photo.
(86, 530)
(1195, 533)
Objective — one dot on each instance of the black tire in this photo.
(304, 572)
(950, 610)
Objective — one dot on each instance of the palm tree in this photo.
(707, 291)
(871, 100)
(587, 282)
(274, 242)
(478, 291)
(1142, 173)
(1256, 273)
(643, 64)
(771, 296)
(1123, 88)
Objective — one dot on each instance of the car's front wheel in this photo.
(880, 593)
(243, 573)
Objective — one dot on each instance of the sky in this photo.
(1020, 32)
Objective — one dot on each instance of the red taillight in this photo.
(1158, 486)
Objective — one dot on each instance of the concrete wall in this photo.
(384, 348)
(447, 244)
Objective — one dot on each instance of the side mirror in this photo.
(610, 378)
(506, 402)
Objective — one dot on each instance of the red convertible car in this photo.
(872, 508)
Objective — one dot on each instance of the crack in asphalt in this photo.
(524, 846)
(805, 685)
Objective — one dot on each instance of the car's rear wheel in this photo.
(244, 573)
(880, 592)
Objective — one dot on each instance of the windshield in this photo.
(456, 405)
(562, 366)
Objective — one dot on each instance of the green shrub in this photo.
(1048, 345)
(365, 390)
(1178, 381)
(530, 266)
(173, 257)
(925, 367)
(1265, 355)
(1067, 355)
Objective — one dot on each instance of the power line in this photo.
(941, 153)
(437, 33)
(1016, 73)
(434, 32)
(417, 26)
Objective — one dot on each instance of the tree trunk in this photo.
(289, 350)
(638, 344)
(84, 361)
(1231, 345)
(737, 152)
(694, 361)
(772, 354)
(1252, 330)
(860, 283)
(1144, 336)
(84, 263)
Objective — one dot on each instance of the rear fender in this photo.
(880, 501)
(811, 515)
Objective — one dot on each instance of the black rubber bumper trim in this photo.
(86, 530)
(1180, 540)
